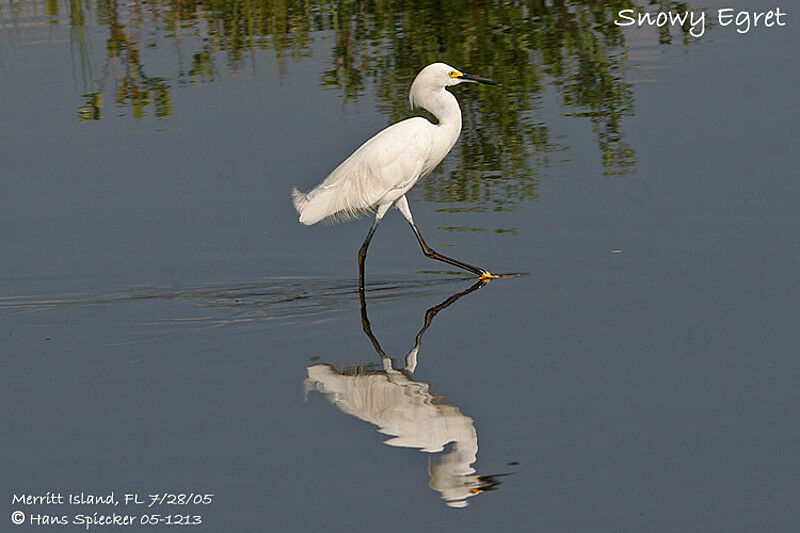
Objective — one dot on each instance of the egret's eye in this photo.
(454, 74)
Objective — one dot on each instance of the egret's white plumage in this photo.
(380, 172)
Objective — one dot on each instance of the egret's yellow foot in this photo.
(486, 275)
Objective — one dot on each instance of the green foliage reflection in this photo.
(570, 46)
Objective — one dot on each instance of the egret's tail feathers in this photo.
(300, 200)
(312, 206)
(323, 204)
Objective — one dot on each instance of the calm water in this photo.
(167, 326)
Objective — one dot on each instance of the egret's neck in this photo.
(444, 107)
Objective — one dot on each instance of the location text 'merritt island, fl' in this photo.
(743, 21)
(58, 498)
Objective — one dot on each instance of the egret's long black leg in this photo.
(433, 254)
(402, 206)
(362, 252)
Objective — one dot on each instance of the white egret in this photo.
(382, 170)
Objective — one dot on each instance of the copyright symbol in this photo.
(17, 517)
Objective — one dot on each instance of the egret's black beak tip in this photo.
(479, 79)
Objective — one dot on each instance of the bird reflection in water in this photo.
(407, 411)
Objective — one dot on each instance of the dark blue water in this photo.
(168, 326)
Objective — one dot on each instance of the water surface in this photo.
(168, 326)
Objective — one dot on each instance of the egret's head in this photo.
(437, 76)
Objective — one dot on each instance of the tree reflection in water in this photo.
(571, 46)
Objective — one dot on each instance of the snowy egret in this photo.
(382, 170)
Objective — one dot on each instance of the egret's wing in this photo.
(388, 160)
(380, 170)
